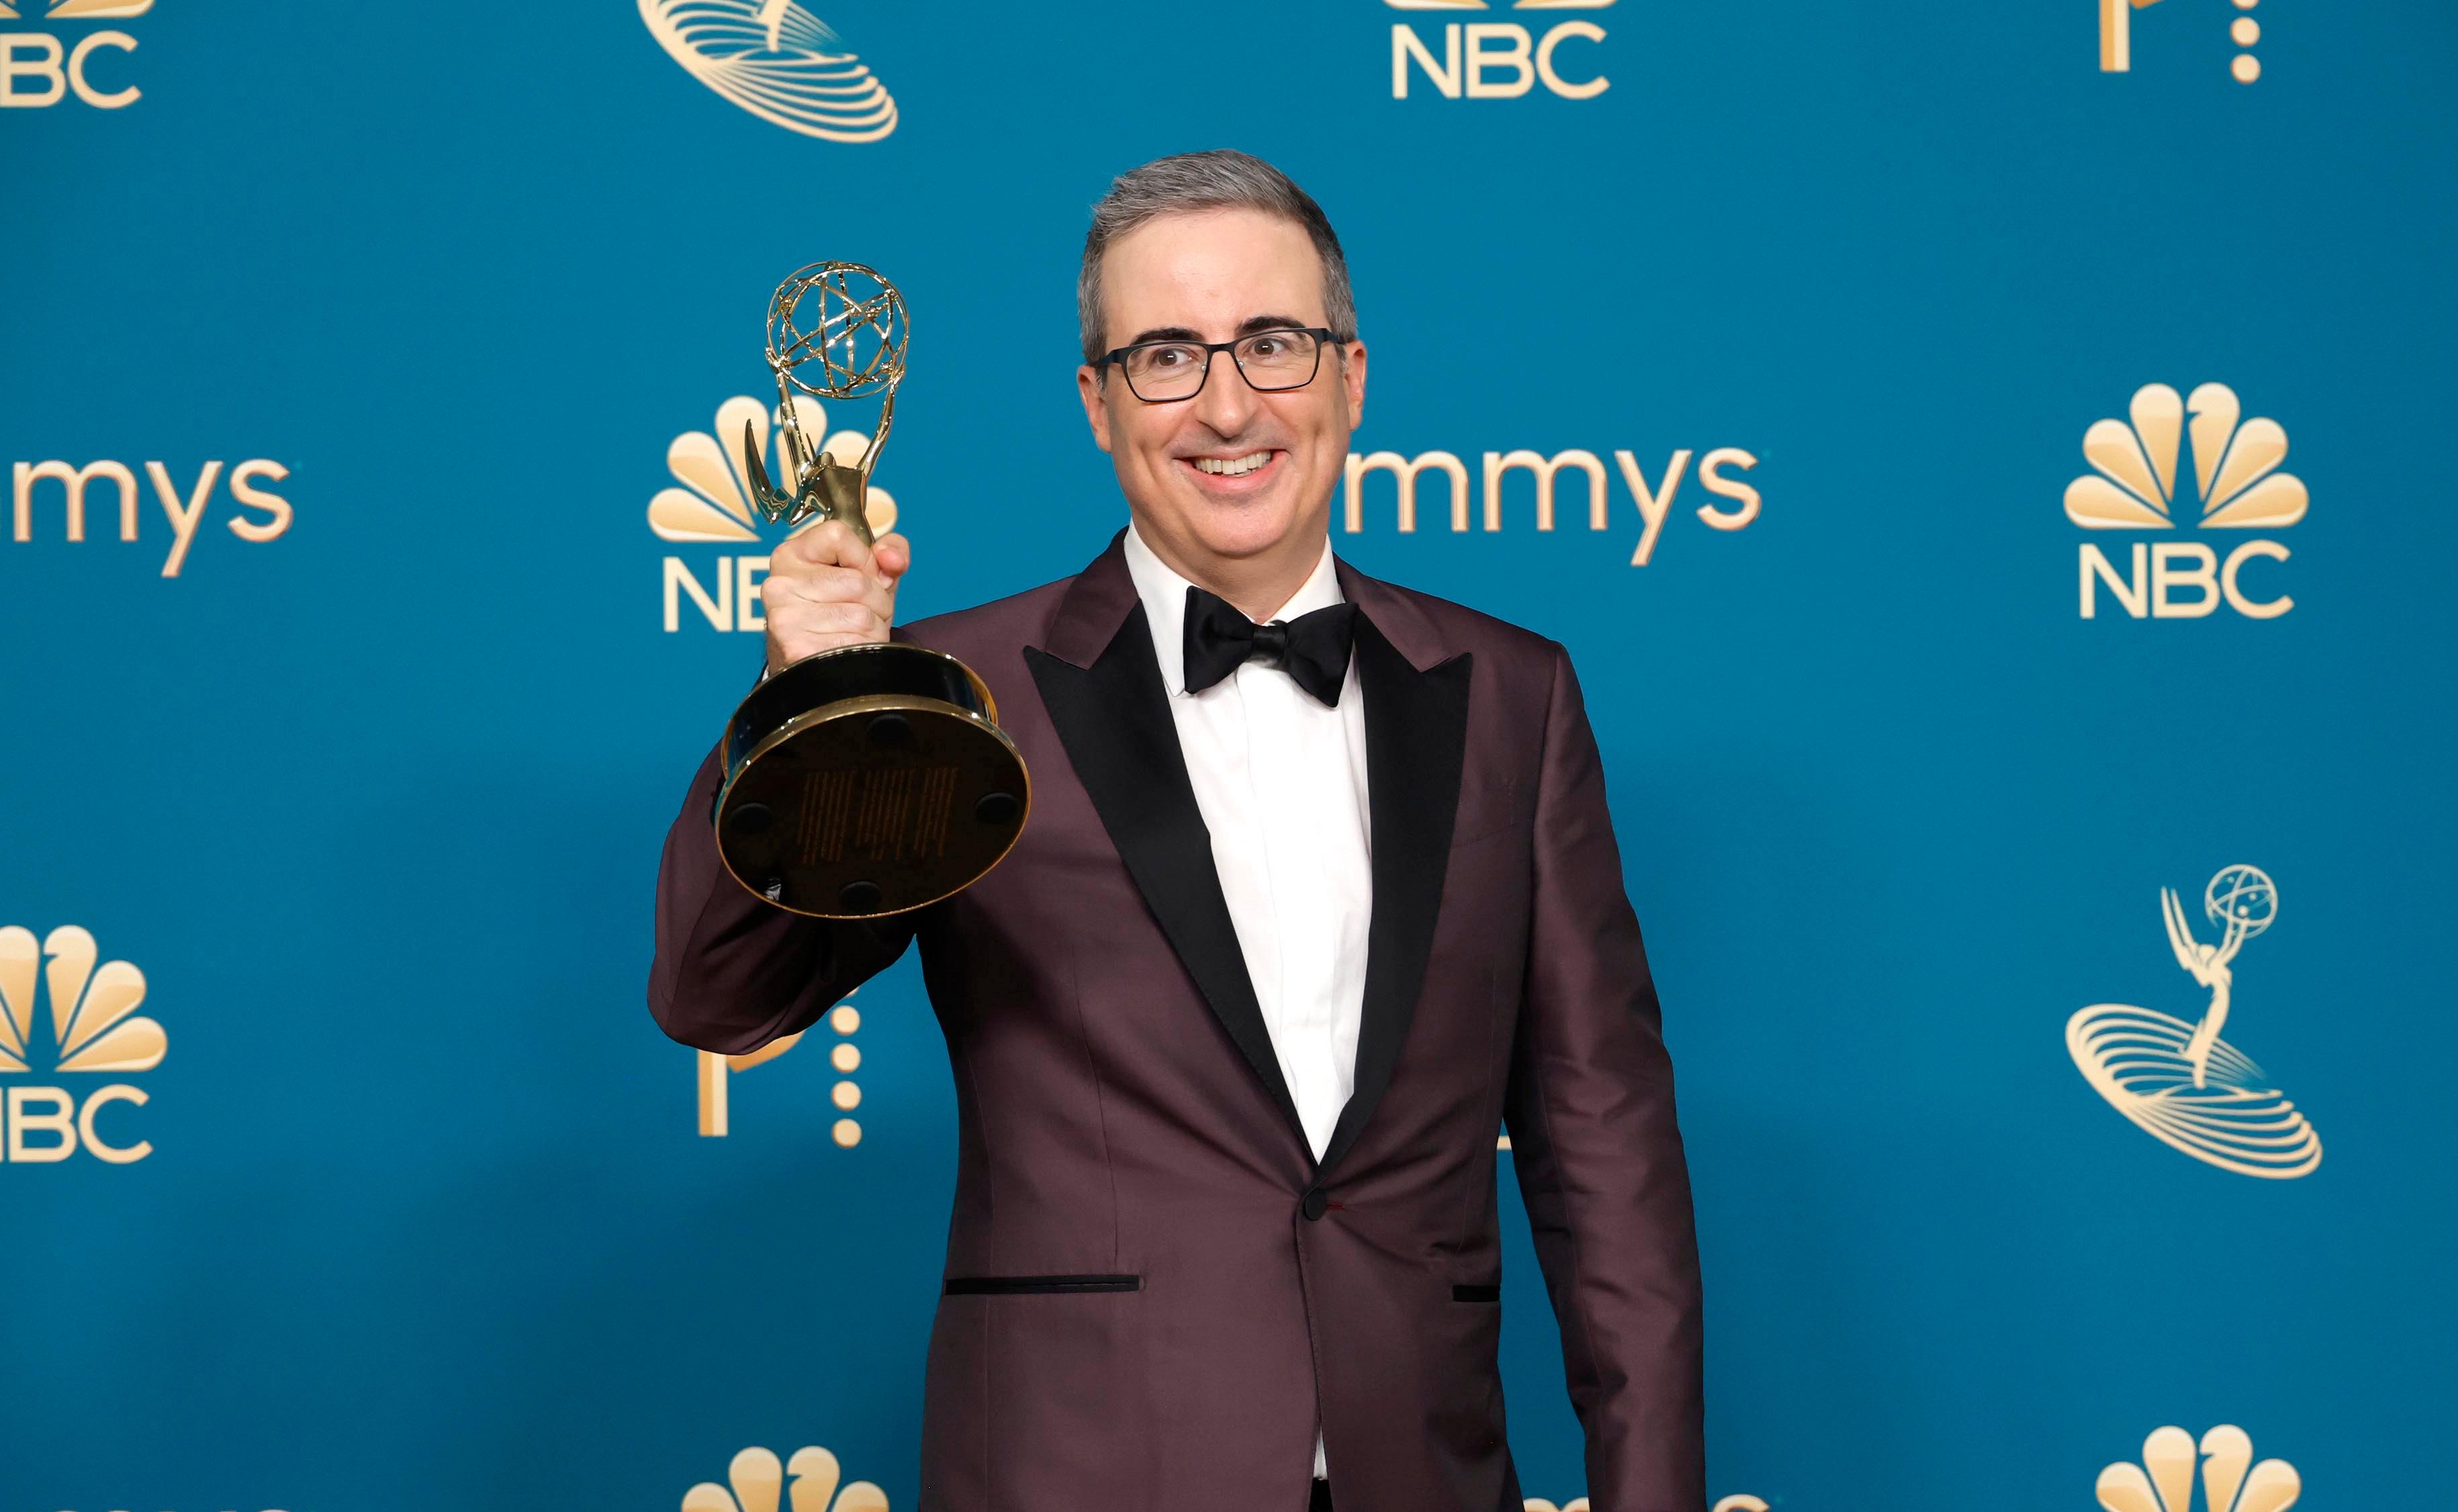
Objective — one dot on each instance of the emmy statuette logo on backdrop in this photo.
(2117, 37)
(713, 506)
(2135, 486)
(1498, 60)
(715, 1071)
(2180, 1082)
(2231, 1482)
(39, 69)
(755, 1479)
(778, 61)
(93, 1032)
(1652, 504)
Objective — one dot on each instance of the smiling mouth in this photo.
(1230, 466)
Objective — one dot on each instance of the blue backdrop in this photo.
(370, 791)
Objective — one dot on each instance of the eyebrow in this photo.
(1245, 328)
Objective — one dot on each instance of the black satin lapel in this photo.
(1114, 719)
(1416, 740)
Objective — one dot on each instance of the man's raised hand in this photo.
(825, 589)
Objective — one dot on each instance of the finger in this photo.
(834, 584)
(891, 554)
(818, 582)
(830, 543)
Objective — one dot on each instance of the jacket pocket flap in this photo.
(1030, 1285)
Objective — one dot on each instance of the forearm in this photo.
(733, 971)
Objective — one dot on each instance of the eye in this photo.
(1277, 350)
(1167, 359)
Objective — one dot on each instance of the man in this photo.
(1301, 913)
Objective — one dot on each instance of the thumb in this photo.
(891, 554)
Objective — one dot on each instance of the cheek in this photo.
(1324, 426)
(1144, 433)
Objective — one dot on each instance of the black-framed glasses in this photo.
(1164, 372)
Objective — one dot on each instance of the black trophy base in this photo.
(869, 780)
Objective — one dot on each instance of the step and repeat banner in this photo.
(1972, 453)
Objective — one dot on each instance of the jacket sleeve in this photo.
(1599, 1155)
(733, 971)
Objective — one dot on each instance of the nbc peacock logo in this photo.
(757, 1480)
(711, 505)
(94, 1030)
(2231, 1482)
(39, 69)
(76, 10)
(778, 61)
(2133, 486)
(1500, 60)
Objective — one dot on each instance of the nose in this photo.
(1227, 404)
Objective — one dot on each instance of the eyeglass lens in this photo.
(1270, 359)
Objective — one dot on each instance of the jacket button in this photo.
(1313, 1204)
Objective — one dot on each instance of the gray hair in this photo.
(1214, 180)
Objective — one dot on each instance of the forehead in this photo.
(1208, 271)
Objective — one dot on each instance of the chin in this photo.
(1242, 526)
(1234, 531)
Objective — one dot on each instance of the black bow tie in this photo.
(1312, 648)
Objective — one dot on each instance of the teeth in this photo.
(1234, 467)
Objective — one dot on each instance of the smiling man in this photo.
(1318, 889)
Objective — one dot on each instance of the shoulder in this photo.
(1001, 624)
(1512, 652)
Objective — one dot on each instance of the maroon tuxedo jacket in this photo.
(1153, 1293)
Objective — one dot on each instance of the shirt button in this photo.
(1314, 1204)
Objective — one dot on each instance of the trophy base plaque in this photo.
(869, 780)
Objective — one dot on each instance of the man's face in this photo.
(1215, 275)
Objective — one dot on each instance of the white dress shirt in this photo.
(1281, 782)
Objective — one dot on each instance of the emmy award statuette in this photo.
(865, 780)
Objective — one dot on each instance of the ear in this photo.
(1096, 403)
(1352, 381)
